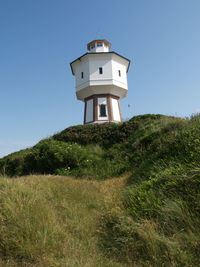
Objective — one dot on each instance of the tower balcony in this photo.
(113, 88)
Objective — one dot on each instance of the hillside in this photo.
(53, 221)
(150, 217)
(117, 148)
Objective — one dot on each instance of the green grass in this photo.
(79, 150)
(158, 222)
(151, 217)
(52, 221)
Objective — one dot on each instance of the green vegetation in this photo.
(80, 150)
(149, 218)
(52, 221)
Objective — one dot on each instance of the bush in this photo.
(130, 146)
(50, 155)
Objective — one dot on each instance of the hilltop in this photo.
(104, 150)
(152, 218)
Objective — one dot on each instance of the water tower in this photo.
(101, 81)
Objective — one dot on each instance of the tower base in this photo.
(102, 108)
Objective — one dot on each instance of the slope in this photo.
(54, 221)
(117, 148)
(154, 221)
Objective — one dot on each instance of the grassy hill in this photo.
(148, 217)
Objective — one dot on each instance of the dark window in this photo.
(82, 75)
(100, 70)
(103, 110)
(99, 44)
(119, 71)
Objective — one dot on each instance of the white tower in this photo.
(101, 81)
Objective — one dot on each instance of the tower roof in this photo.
(89, 45)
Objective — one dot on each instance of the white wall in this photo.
(97, 61)
(103, 48)
(115, 108)
(118, 64)
(100, 101)
(89, 111)
(81, 66)
(90, 64)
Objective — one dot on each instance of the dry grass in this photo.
(62, 221)
(53, 221)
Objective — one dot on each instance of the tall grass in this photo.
(151, 218)
(157, 222)
(51, 221)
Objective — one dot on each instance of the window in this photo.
(99, 44)
(119, 71)
(92, 46)
(102, 110)
(82, 75)
(100, 70)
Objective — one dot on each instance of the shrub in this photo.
(132, 145)
(50, 155)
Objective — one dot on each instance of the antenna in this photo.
(98, 35)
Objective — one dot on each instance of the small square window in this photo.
(119, 71)
(99, 44)
(92, 46)
(100, 70)
(82, 75)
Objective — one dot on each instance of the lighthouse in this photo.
(101, 81)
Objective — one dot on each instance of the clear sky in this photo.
(39, 38)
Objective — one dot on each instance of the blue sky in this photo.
(39, 38)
